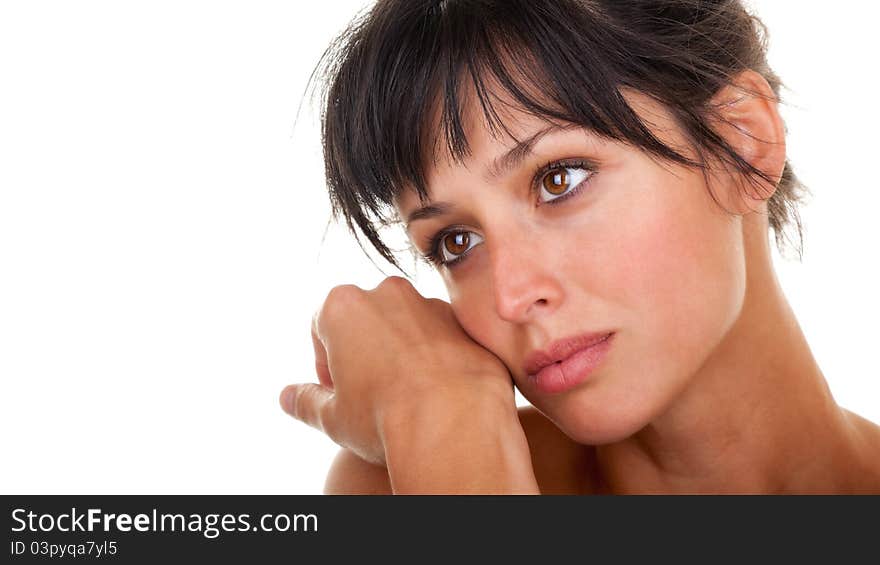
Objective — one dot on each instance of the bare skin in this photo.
(762, 422)
(561, 466)
(711, 386)
(779, 430)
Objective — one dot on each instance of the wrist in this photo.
(434, 414)
(457, 444)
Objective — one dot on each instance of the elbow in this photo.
(349, 474)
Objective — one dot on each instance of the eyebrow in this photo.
(429, 211)
(506, 162)
(517, 153)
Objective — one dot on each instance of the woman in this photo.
(595, 181)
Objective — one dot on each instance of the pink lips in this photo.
(567, 362)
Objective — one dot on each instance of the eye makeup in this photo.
(436, 255)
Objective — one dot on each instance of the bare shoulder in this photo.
(867, 434)
(863, 472)
(561, 465)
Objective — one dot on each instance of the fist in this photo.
(384, 354)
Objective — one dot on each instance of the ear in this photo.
(747, 117)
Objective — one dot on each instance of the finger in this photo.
(322, 367)
(309, 403)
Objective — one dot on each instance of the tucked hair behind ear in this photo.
(395, 66)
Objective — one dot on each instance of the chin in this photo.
(590, 418)
(600, 430)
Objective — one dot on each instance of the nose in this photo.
(525, 280)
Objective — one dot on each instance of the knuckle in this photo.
(441, 307)
(396, 284)
(302, 404)
(437, 303)
(343, 292)
(339, 299)
(308, 406)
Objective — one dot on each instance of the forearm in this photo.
(451, 448)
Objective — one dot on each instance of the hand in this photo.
(383, 354)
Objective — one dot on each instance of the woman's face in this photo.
(605, 240)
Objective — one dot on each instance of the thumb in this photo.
(309, 403)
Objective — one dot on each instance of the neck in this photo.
(757, 417)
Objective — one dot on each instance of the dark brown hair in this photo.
(402, 61)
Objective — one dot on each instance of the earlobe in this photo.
(746, 115)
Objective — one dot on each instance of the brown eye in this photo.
(454, 246)
(457, 242)
(561, 181)
(556, 181)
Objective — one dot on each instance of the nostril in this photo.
(540, 304)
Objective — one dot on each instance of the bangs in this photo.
(400, 79)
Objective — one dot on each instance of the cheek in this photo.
(470, 306)
(473, 305)
(660, 262)
(665, 266)
(679, 275)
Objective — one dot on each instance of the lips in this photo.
(561, 350)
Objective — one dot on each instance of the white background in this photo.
(161, 225)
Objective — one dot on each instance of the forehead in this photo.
(487, 140)
(488, 120)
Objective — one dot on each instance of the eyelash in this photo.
(433, 242)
